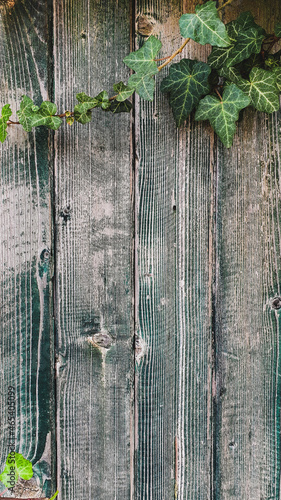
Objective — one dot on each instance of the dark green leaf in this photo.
(120, 107)
(123, 91)
(261, 89)
(5, 115)
(204, 26)
(246, 39)
(223, 114)
(186, 83)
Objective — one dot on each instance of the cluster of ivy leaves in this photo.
(17, 467)
(241, 71)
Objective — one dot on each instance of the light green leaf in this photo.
(16, 466)
(223, 114)
(123, 91)
(143, 85)
(204, 26)
(5, 115)
(25, 113)
(261, 89)
(82, 111)
(142, 60)
(54, 496)
(186, 83)
(120, 107)
(69, 120)
(277, 29)
(33, 116)
(246, 39)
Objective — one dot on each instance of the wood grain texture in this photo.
(93, 249)
(174, 227)
(248, 277)
(26, 341)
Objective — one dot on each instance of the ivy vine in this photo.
(17, 467)
(242, 71)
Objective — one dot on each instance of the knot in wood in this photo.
(276, 303)
(101, 339)
(144, 25)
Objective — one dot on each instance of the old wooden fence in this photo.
(138, 267)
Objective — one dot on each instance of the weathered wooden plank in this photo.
(26, 244)
(173, 377)
(248, 277)
(93, 247)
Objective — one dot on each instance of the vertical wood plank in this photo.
(26, 331)
(93, 246)
(248, 278)
(174, 368)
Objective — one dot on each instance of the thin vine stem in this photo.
(180, 49)
(224, 5)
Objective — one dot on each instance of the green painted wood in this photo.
(248, 278)
(173, 361)
(26, 331)
(93, 249)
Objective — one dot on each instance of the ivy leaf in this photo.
(261, 89)
(25, 113)
(45, 116)
(223, 114)
(19, 467)
(123, 91)
(186, 83)
(143, 85)
(142, 62)
(5, 115)
(277, 73)
(277, 29)
(82, 111)
(120, 107)
(204, 26)
(246, 39)
(33, 116)
(54, 496)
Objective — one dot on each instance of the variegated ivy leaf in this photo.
(5, 115)
(142, 62)
(186, 83)
(34, 116)
(223, 114)
(246, 39)
(261, 90)
(122, 91)
(82, 111)
(204, 26)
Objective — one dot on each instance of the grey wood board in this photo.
(93, 249)
(26, 330)
(174, 228)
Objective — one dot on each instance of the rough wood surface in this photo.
(93, 246)
(26, 334)
(247, 279)
(174, 368)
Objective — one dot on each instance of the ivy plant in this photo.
(243, 69)
(17, 467)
